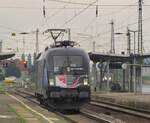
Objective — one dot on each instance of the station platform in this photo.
(140, 101)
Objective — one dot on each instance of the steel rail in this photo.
(121, 108)
(31, 97)
(21, 94)
(89, 114)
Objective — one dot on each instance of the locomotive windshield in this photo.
(68, 70)
(68, 64)
(75, 61)
(59, 63)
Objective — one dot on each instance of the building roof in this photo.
(97, 57)
(7, 55)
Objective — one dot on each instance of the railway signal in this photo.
(25, 64)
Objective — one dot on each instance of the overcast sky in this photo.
(27, 15)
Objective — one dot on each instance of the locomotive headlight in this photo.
(51, 81)
(85, 81)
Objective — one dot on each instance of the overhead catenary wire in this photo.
(9, 28)
(120, 27)
(108, 14)
(80, 12)
(52, 8)
(64, 7)
(124, 26)
(81, 3)
(70, 8)
(70, 2)
(52, 16)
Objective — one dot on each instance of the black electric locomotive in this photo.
(62, 76)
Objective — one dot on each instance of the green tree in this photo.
(12, 70)
(23, 57)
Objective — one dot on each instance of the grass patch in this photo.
(2, 88)
(6, 86)
(19, 117)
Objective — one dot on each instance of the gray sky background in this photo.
(26, 15)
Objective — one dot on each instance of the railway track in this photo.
(32, 99)
(114, 113)
(82, 117)
(103, 112)
(99, 117)
(120, 108)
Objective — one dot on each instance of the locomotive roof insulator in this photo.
(65, 43)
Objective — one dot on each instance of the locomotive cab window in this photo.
(60, 62)
(76, 65)
(67, 64)
(75, 61)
